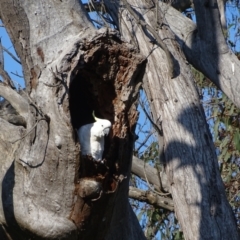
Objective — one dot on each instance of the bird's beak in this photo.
(106, 131)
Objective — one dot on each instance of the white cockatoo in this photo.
(91, 137)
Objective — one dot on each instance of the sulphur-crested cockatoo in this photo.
(91, 137)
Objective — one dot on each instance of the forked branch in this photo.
(16, 100)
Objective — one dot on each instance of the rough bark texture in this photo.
(150, 174)
(151, 198)
(204, 46)
(48, 190)
(191, 163)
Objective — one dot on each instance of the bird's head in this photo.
(104, 125)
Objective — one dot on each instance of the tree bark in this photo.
(205, 48)
(150, 174)
(151, 198)
(191, 163)
(50, 191)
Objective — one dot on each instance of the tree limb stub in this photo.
(151, 198)
(16, 100)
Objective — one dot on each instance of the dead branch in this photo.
(151, 198)
(6, 78)
(16, 100)
(11, 55)
(151, 173)
(155, 126)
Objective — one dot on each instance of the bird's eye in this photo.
(102, 125)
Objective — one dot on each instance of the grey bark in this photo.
(150, 174)
(151, 198)
(204, 46)
(18, 102)
(191, 163)
(42, 175)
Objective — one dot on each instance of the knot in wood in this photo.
(89, 188)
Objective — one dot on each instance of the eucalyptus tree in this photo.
(49, 190)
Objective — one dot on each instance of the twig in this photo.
(10, 54)
(16, 74)
(155, 126)
(143, 142)
(1, 55)
(6, 78)
(102, 9)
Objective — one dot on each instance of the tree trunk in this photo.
(190, 161)
(50, 191)
(205, 48)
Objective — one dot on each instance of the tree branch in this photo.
(151, 173)
(151, 198)
(155, 126)
(16, 100)
(3, 73)
(197, 50)
(11, 55)
(9, 132)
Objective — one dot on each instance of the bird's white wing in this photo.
(84, 134)
(97, 147)
(91, 137)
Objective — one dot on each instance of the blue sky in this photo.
(11, 65)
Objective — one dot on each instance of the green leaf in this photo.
(139, 216)
(227, 156)
(223, 144)
(230, 25)
(231, 110)
(236, 140)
